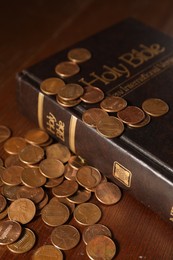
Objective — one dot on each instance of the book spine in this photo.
(116, 160)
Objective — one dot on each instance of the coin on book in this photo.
(155, 107)
(67, 69)
(71, 91)
(143, 123)
(110, 127)
(113, 104)
(51, 86)
(93, 115)
(131, 115)
(9, 231)
(79, 55)
(92, 95)
(5, 133)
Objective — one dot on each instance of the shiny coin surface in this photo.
(92, 95)
(69, 103)
(65, 237)
(65, 189)
(110, 127)
(9, 232)
(13, 159)
(10, 192)
(3, 203)
(70, 173)
(12, 175)
(31, 154)
(14, 145)
(70, 92)
(94, 230)
(101, 247)
(143, 123)
(155, 107)
(113, 104)
(36, 136)
(58, 151)
(88, 176)
(70, 205)
(131, 115)
(24, 243)
(34, 194)
(5, 133)
(108, 193)
(76, 162)
(32, 177)
(51, 86)
(51, 168)
(55, 214)
(80, 196)
(67, 69)
(22, 210)
(50, 183)
(87, 213)
(79, 55)
(47, 252)
(92, 116)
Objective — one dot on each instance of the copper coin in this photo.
(14, 145)
(24, 243)
(69, 103)
(70, 173)
(32, 177)
(5, 133)
(113, 104)
(22, 210)
(55, 214)
(36, 136)
(51, 168)
(1, 162)
(13, 159)
(31, 154)
(79, 55)
(80, 196)
(4, 213)
(110, 127)
(51, 86)
(155, 107)
(67, 69)
(70, 205)
(42, 203)
(65, 237)
(92, 95)
(47, 252)
(93, 115)
(34, 194)
(12, 175)
(101, 247)
(65, 189)
(108, 193)
(76, 162)
(143, 123)
(10, 192)
(54, 182)
(131, 115)
(3, 203)
(58, 151)
(9, 232)
(1, 171)
(94, 230)
(87, 213)
(88, 176)
(70, 92)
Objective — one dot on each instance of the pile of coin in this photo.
(41, 178)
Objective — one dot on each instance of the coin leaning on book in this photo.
(71, 183)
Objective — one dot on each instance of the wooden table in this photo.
(32, 30)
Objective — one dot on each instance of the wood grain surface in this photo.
(29, 32)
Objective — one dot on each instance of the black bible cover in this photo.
(131, 60)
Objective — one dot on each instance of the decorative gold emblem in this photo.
(122, 174)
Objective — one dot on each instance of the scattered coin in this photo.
(51, 168)
(70, 173)
(110, 127)
(70, 205)
(47, 252)
(3, 203)
(79, 55)
(1, 162)
(31, 154)
(155, 107)
(65, 189)
(58, 151)
(65, 237)
(131, 115)
(51, 86)
(67, 69)
(87, 213)
(2, 168)
(94, 230)
(108, 193)
(70, 92)
(24, 243)
(13, 159)
(76, 162)
(21, 210)
(4, 213)
(93, 115)
(101, 247)
(88, 176)
(34, 194)
(32, 177)
(9, 232)
(5, 133)
(10, 192)
(113, 104)
(92, 95)
(42, 204)
(14, 145)
(12, 175)
(80, 196)
(36, 136)
(50, 183)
